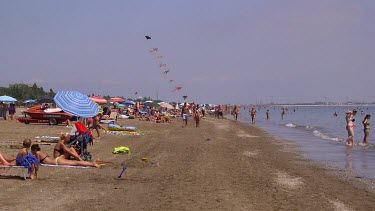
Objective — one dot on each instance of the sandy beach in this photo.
(222, 165)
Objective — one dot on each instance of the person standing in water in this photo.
(268, 114)
(366, 128)
(350, 126)
(253, 114)
(235, 112)
(282, 114)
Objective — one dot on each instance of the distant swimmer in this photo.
(282, 114)
(253, 113)
(235, 112)
(350, 126)
(335, 114)
(366, 128)
(268, 114)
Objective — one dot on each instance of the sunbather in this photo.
(61, 150)
(45, 159)
(6, 161)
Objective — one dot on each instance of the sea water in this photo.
(320, 135)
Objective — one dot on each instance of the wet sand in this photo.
(222, 165)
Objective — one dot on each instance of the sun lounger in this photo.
(23, 169)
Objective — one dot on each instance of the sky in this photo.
(218, 51)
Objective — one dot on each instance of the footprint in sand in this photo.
(242, 134)
(250, 154)
(287, 181)
(339, 206)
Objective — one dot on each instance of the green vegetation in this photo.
(25, 91)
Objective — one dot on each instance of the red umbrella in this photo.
(98, 100)
(116, 99)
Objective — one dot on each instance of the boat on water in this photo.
(43, 114)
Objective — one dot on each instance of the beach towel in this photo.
(27, 160)
(121, 149)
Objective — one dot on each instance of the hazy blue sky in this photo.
(242, 51)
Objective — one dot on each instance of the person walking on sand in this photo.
(185, 113)
(268, 114)
(197, 115)
(235, 112)
(253, 113)
(350, 126)
(96, 125)
(366, 128)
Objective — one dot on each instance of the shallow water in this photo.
(321, 135)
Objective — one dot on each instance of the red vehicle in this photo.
(41, 114)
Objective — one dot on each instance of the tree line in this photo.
(25, 91)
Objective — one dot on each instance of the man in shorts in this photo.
(185, 113)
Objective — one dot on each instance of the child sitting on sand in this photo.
(6, 161)
(26, 159)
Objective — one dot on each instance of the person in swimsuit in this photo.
(350, 126)
(366, 128)
(185, 113)
(268, 114)
(235, 112)
(253, 113)
(61, 150)
(6, 161)
(45, 159)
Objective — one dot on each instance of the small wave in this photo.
(290, 125)
(324, 136)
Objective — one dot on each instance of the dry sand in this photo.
(223, 165)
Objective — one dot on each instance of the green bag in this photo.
(121, 149)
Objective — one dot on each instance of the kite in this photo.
(148, 37)
(177, 88)
(185, 96)
(136, 93)
(154, 50)
(162, 65)
(160, 57)
(171, 80)
(166, 72)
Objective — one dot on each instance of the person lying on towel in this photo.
(45, 159)
(6, 161)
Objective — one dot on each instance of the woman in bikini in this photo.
(61, 150)
(350, 126)
(45, 159)
(366, 128)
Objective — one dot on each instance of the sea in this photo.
(320, 135)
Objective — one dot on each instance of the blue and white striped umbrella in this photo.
(76, 103)
(5, 98)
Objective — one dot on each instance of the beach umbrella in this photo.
(45, 99)
(76, 103)
(98, 100)
(116, 99)
(29, 101)
(166, 105)
(129, 102)
(5, 98)
(151, 104)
